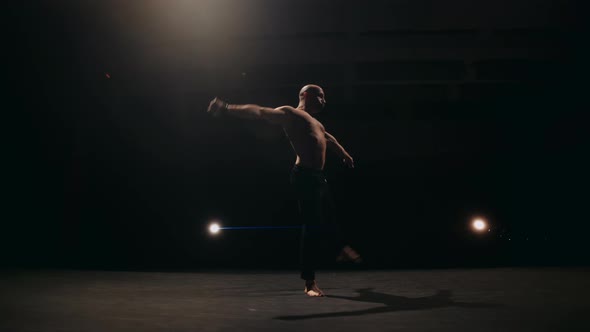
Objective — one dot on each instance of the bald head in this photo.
(311, 98)
(310, 88)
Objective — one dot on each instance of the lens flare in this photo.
(214, 228)
(479, 224)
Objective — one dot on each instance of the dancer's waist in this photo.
(305, 169)
(308, 172)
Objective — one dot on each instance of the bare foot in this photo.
(312, 289)
(349, 255)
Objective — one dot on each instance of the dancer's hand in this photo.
(217, 107)
(348, 161)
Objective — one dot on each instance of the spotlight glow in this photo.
(214, 228)
(479, 224)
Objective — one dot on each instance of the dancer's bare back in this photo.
(308, 138)
(307, 135)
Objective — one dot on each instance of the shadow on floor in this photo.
(392, 303)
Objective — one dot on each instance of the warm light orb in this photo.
(214, 228)
(479, 224)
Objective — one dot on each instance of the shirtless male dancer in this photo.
(310, 140)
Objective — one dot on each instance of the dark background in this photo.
(451, 109)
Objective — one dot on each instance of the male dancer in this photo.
(310, 140)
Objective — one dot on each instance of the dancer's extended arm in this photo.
(278, 115)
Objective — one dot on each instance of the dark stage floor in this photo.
(503, 299)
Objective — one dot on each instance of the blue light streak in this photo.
(259, 227)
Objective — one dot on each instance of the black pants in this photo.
(321, 236)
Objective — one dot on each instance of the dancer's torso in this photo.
(308, 138)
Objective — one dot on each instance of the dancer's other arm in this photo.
(333, 144)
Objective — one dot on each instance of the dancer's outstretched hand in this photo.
(217, 107)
